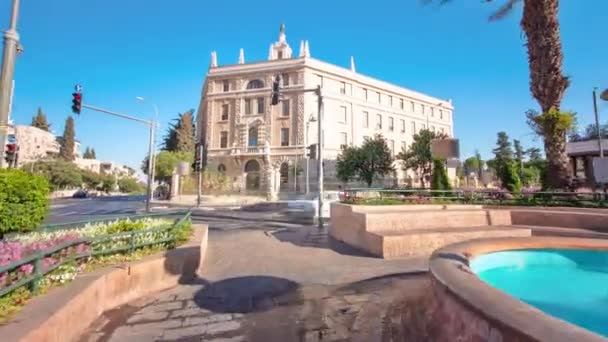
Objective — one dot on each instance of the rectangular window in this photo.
(391, 146)
(343, 139)
(280, 55)
(391, 124)
(441, 114)
(422, 109)
(401, 104)
(225, 109)
(432, 112)
(342, 117)
(285, 78)
(413, 127)
(379, 97)
(390, 100)
(412, 106)
(284, 136)
(247, 106)
(286, 104)
(343, 88)
(365, 119)
(223, 139)
(402, 126)
(260, 105)
(403, 146)
(378, 121)
(365, 94)
(226, 86)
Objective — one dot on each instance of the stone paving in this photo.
(281, 285)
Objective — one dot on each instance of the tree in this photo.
(548, 84)
(503, 153)
(23, 201)
(534, 153)
(480, 163)
(166, 162)
(519, 156)
(510, 177)
(87, 153)
(440, 179)
(93, 154)
(347, 163)
(180, 135)
(130, 185)
(68, 140)
(471, 165)
(370, 161)
(60, 174)
(40, 121)
(418, 156)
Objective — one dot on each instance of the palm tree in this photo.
(547, 82)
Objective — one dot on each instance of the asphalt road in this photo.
(79, 209)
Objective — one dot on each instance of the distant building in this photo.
(581, 154)
(262, 148)
(34, 144)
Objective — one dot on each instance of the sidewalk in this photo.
(188, 201)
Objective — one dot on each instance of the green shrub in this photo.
(510, 179)
(125, 226)
(130, 185)
(440, 179)
(23, 201)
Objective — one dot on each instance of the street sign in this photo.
(12, 139)
(78, 88)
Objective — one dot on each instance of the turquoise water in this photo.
(569, 284)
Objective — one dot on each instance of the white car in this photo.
(309, 207)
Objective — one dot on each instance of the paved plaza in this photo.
(273, 285)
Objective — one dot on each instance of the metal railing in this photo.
(129, 244)
(500, 197)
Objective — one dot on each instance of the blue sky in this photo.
(159, 49)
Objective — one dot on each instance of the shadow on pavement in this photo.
(243, 294)
(316, 238)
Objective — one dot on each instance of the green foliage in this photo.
(12, 303)
(418, 156)
(23, 201)
(93, 154)
(125, 226)
(473, 165)
(180, 135)
(530, 176)
(59, 173)
(552, 122)
(68, 141)
(347, 163)
(130, 185)
(212, 181)
(91, 179)
(40, 121)
(510, 177)
(503, 153)
(166, 162)
(89, 153)
(108, 183)
(440, 179)
(370, 161)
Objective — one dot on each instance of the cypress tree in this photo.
(40, 121)
(68, 140)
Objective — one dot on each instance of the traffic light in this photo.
(76, 103)
(10, 154)
(199, 158)
(276, 90)
(312, 151)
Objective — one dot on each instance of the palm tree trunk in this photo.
(547, 82)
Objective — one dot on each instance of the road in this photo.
(79, 209)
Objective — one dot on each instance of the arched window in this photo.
(255, 84)
(221, 168)
(252, 166)
(253, 136)
(284, 171)
(252, 180)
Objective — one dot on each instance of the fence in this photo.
(546, 198)
(69, 251)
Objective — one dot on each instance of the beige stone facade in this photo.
(261, 147)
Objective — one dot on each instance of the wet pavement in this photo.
(273, 285)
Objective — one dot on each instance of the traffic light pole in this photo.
(152, 125)
(199, 191)
(11, 47)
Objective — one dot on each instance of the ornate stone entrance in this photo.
(252, 175)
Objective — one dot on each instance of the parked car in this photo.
(81, 193)
(309, 206)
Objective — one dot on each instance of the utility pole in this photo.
(11, 47)
(597, 123)
(320, 154)
(200, 154)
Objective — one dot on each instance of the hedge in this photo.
(23, 201)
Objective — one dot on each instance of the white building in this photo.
(34, 143)
(259, 146)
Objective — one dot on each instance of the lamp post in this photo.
(11, 47)
(597, 123)
(151, 153)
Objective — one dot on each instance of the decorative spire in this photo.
(301, 54)
(306, 49)
(352, 64)
(282, 33)
(213, 59)
(241, 56)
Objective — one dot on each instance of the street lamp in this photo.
(151, 154)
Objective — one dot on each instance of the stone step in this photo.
(422, 242)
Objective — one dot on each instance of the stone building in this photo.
(262, 148)
(34, 143)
